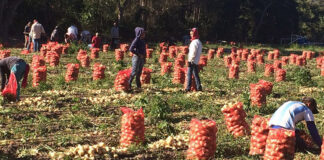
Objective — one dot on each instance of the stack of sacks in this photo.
(122, 80)
(270, 56)
(163, 57)
(166, 68)
(98, 71)
(39, 75)
(269, 69)
(227, 61)
(292, 58)
(310, 55)
(4, 53)
(181, 57)
(105, 48)
(132, 127)
(280, 75)
(259, 92)
(234, 115)
(202, 139)
(234, 71)
(85, 61)
(124, 47)
(172, 52)
(277, 64)
(149, 53)
(276, 54)
(37, 61)
(81, 54)
(179, 63)
(280, 144)
(211, 53)
(57, 48)
(53, 58)
(259, 132)
(285, 60)
(43, 51)
(319, 62)
(94, 53)
(260, 59)
(203, 61)
(301, 61)
(220, 52)
(245, 54)
(72, 72)
(146, 76)
(184, 49)
(179, 75)
(119, 54)
(24, 52)
(251, 66)
(65, 49)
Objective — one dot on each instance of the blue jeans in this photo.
(36, 44)
(29, 42)
(19, 70)
(137, 67)
(193, 69)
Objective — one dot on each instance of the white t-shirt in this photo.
(195, 49)
(290, 113)
(73, 31)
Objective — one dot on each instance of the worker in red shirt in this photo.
(96, 41)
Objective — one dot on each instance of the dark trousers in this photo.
(193, 69)
(137, 67)
(113, 43)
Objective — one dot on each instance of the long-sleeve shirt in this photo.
(5, 68)
(36, 31)
(138, 46)
(114, 32)
(26, 30)
(195, 49)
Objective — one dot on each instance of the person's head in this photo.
(311, 104)
(35, 21)
(115, 24)
(139, 32)
(97, 34)
(194, 33)
(56, 27)
(29, 23)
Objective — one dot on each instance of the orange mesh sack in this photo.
(211, 53)
(235, 119)
(132, 127)
(276, 54)
(257, 94)
(37, 61)
(280, 145)
(149, 53)
(94, 53)
(146, 76)
(163, 57)
(268, 71)
(322, 151)
(285, 60)
(98, 71)
(322, 69)
(85, 61)
(220, 52)
(179, 75)
(301, 61)
(203, 61)
(280, 75)
(234, 72)
(251, 66)
(119, 54)
(319, 62)
(54, 58)
(260, 59)
(270, 56)
(121, 81)
(39, 75)
(72, 72)
(202, 139)
(10, 90)
(4, 54)
(293, 58)
(259, 134)
(227, 61)
(105, 48)
(81, 54)
(277, 64)
(166, 68)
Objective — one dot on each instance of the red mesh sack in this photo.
(4, 54)
(245, 55)
(227, 61)
(72, 72)
(270, 56)
(132, 127)
(234, 116)
(260, 59)
(37, 61)
(81, 54)
(149, 53)
(257, 95)
(181, 57)
(211, 53)
(39, 75)
(163, 58)
(322, 151)
(251, 57)
(124, 47)
(10, 90)
(85, 61)
(94, 53)
(269, 69)
(285, 60)
(53, 58)
(179, 63)
(98, 71)
(172, 52)
(301, 61)
(251, 66)
(277, 64)
(234, 72)
(280, 75)
(202, 139)
(179, 75)
(184, 49)
(276, 54)
(146, 76)
(266, 85)
(280, 144)
(234, 56)
(322, 70)
(319, 62)
(203, 60)
(293, 58)
(65, 49)
(259, 134)
(57, 48)
(220, 52)
(121, 81)
(24, 52)
(119, 54)
(105, 48)
(166, 68)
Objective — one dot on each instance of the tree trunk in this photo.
(121, 8)
(7, 14)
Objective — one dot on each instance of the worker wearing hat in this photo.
(292, 112)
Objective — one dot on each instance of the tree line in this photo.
(260, 21)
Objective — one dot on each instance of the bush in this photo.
(157, 109)
(301, 76)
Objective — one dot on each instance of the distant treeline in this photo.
(265, 21)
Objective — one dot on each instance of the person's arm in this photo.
(193, 48)
(132, 47)
(314, 133)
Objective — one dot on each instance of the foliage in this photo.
(301, 76)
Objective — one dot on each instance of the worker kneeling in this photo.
(290, 113)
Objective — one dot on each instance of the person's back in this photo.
(96, 41)
(73, 32)
(85, 36)
(195, 50)
(55, 35)
(37, 30)
(291, 113)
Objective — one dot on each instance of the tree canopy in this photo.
(264, 21)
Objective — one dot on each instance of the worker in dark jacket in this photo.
(138, 49)
(17, 66)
